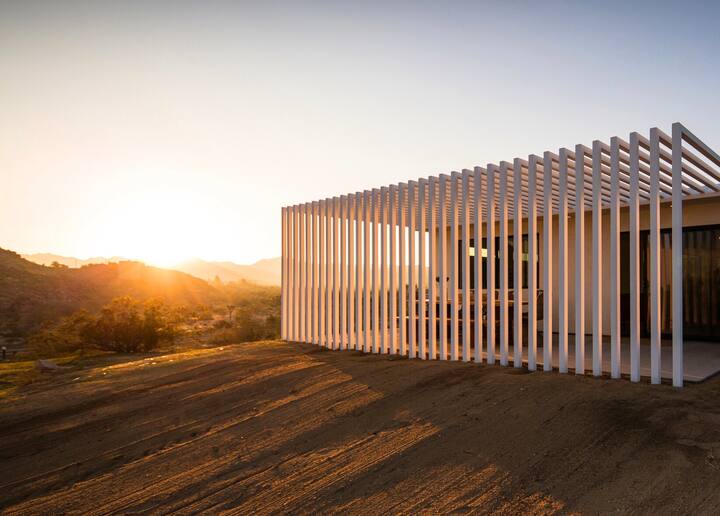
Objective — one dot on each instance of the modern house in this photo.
(546, 260)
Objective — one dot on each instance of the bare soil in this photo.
(275, 428)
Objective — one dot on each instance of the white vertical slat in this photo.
(343, 273)
(634, 265)
(490, 308)
(301, 273)
(298, 272)
(453, 266)
(518, 264)
(284, 277)
(563, 265)
(412, 269)
(359, 264)
(402, 275)
(465, 263)
(392, 208)
(532, 262)
(314, 279)
(422, 270)
(350, 211)
(478, 286)
(677, 257)
(293, 274)
(597, 258)
(654, 253)
(547, 263)
(322, 276)
(383, 270)
(433, 268)
(615, 350)
(336, 275)
(367, 202)
(375, 295)
(503, 215)
(329, 285)
(580, 259)
(307, 288)
(442, 266)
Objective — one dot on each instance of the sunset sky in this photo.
(168, 130)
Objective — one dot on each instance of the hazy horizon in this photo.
(166, 131)
(133, 258)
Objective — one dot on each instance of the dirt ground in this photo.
(274, 428)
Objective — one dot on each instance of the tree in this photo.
(128, 326)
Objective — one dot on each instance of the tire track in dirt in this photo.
(161, 437)
(276, 428)
(96, 426)
(166, 456)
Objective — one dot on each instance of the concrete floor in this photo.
(702, 359)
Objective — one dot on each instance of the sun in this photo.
(156, 227)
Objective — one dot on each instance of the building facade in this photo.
(618, 245)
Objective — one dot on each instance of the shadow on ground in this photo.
(276, 427)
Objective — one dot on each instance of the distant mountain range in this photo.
(69, 261)
(263, 272)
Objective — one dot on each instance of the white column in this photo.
(477, 223)
(402, 284)
(383, 270)
(442, 269)
(453, 268)
(375, 295)
(350, 212)
(293, 274)
(580, 259)
(359, 277)
(337, 268)
(322, 275)
(343, 273)
(465, 262)
(532, 263)
(597, 258)
(654, 252)
(563, 265)
(422, 269)
(634, 265)
(284, 276)
(433, 205)
(503, 212)
(392, 209)
(412, 270)
(547, 263)
(518, 264)
(301, 273)
(490, 307)
(677, 257)
(314, 288)
(615, 350)
(367, 326)
(329, 285)
(307, 287)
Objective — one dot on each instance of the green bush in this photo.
(124, 325)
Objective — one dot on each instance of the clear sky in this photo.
(166, 130)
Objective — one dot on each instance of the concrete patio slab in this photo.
(702, 359)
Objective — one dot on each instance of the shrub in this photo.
(67, 336)
(128, 326)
